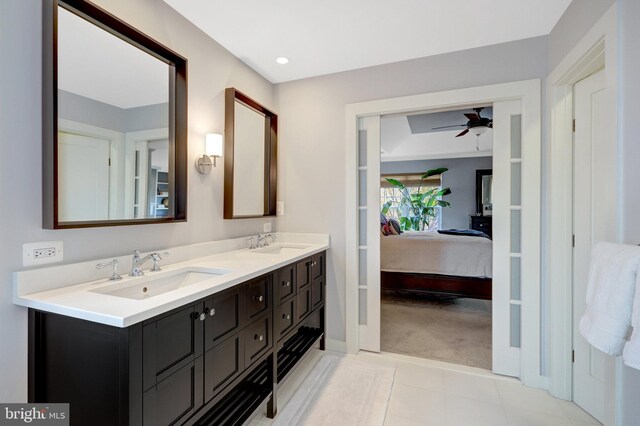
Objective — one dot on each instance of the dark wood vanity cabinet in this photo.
(202, 363)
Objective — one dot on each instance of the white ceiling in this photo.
(98, 65)
(323, 37)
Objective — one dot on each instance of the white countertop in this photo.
(44, 288)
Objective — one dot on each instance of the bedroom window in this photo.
(391, 194)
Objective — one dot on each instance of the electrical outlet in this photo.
(40, 253)
(266, 227)
(279, 208)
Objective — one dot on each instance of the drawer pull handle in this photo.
(287, 316)
(259, 337)
(286, 284)
(259, 298)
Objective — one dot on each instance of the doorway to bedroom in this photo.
(436, 226)
(515, 290)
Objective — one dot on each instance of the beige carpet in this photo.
(359, 394)
(451, 330)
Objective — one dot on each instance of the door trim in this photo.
(529, 92)
(593, 51)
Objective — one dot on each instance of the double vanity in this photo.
(205, 340)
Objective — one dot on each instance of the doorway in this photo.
(519, 320)
(435, 258)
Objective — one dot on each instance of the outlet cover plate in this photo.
(266, 227)
(279, 208)
(52, 251)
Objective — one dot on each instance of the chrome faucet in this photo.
(137, 262)
(261, 239)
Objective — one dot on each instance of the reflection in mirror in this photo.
(114, 150)
(113, 126)
(250, 157)
(248, 165)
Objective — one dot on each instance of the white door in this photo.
(590, 225)
(83, 178)
(508, 256)
(369, 233)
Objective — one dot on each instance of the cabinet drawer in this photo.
(223, 316)
(175, 398)
(317, 293)
(317, 266)
(221, 365)
(285, 317)
(284, 282)
(303, 303)
(303, 275)
(257, 339)
(257, 297)
(170, 343)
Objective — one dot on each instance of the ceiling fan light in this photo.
(478, 130)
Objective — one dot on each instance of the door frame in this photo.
(529, 93)
(595, 50)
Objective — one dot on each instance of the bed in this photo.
(429, 262)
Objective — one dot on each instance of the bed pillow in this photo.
(394, 227)
(384, 229)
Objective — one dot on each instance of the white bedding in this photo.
(433, 253)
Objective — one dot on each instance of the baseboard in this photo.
(336, 345)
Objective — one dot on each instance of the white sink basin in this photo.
(280, 249)
(149, 286)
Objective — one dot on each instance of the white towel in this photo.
(610, 293)
(631, 353)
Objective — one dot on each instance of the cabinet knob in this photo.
(259, 298)
(203, 316)
(287, 316)
(286, 284)
(212, 312)
(259, 337)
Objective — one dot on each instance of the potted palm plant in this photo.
(417, 210)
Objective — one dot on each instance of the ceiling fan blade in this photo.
(462, 133)
(447, 127)
(472, 117)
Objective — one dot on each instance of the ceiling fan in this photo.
(476, 124)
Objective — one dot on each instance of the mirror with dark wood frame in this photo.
(114, 122)
(250, 157)
(484, 196)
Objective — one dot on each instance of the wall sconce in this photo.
(212, 150)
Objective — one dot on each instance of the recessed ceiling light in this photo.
(282, 60)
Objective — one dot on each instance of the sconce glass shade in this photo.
(213, 144)
(213, 150)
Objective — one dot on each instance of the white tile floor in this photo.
(435, 393)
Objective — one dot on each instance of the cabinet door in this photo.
(257, 339)
(285, 317)
(221, 365)
(171, 342)
(284, 282)
(317, 292)
(317, 266)
(303, 303)
(303, 275)
(223, 312)
(257, 298)
(175, 398)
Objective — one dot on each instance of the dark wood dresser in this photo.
(483, 224)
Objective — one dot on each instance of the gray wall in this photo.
(312, 136)
(89, 111)
(628, 112)
(461, 178)
(211, 70)
(572, 26)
